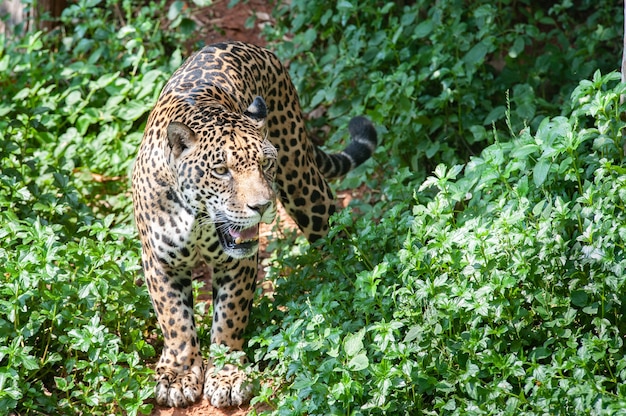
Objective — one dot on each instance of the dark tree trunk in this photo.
(41, 15)
(48, 13)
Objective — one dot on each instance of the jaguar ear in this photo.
(257, 111)
(180, 137)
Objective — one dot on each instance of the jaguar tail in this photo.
(361, 147)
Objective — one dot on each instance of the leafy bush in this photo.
(72, 320)
(489, 287)
(435, 74)
(501, 293)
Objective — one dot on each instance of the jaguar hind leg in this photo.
(301, 179)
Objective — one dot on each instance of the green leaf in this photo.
(413, 333)
(521, 152)
(476, 55)
(29, 362)
(423, 29)
(540, 353)
(318, 98)
(494, 115)
(344, 5)
(358, 362)
(133, 110)
(517, 47)
(175, 9)
(103, 81)
(206, 3)
(353, 343)
(89, 117)
(73, 98)
(540, 172)
(579, 298)
(61, 383)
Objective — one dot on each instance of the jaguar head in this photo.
(226, 167)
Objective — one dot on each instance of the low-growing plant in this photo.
(499, 293)
(434, 75)
(73, 322)
(71, 318)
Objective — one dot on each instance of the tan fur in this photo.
(213, 158)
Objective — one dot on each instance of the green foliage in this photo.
(59, 95)
(71, 317)
(492, 286)
(434, 75)
(499, 293)
(74, 101)
(495, 286)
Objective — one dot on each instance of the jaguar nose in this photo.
(260, 208)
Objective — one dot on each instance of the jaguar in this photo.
(225, 140)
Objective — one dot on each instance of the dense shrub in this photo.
(482, 274)
(502, 293)
(73, 101)
(494, 286)
(435, 74)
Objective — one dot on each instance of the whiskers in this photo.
(224, 223)
(204, 220)
(220, 221)
(223, 227)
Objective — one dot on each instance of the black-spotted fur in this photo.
(226, 133)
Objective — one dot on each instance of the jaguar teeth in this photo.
(240, 240)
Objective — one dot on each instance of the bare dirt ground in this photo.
(203, 408)
(218, 23)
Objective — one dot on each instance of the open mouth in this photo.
(237, 240)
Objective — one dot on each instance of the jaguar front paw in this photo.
(179, 389)
(227, 387)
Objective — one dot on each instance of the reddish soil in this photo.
(219, 23)
(203, 408)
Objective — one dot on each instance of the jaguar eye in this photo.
(266, 163)
(220, 170)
